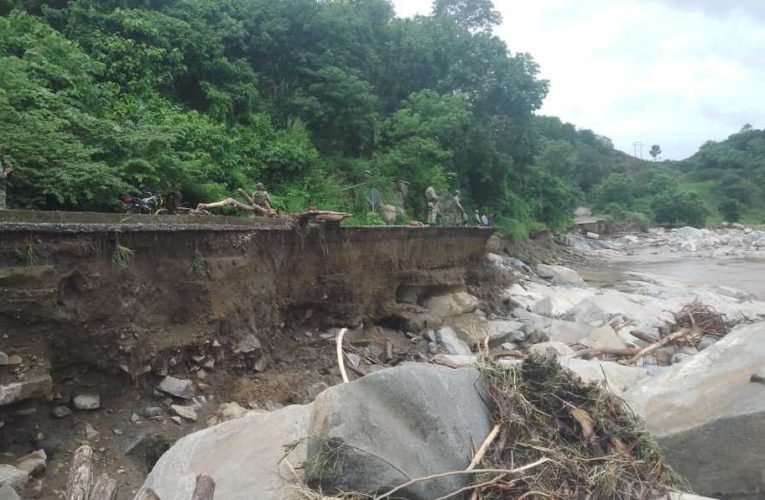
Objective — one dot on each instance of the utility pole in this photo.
(638, 146)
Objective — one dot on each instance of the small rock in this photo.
(759, 376)
(90, 433)
(272, 406)
(201, 375)
(198, 358)
(226, 412)
(186, 412)
(248, 344)
(183, 389)
(510, 346)
(316, 389)
(448, 338)
(34, 464)
(87, 402)
(551, 348)
(13, 477)
(135, 418)
(354, 359)
(593, 236)
(117, 432)
(603, 337)
(14, 360)
(153, 412)
(177, 420)
(61, 411)
(209, 364)
(261, 365)
(3, 359)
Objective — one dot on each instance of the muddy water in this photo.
(743, 273)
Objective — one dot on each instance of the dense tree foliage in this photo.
(321, 100)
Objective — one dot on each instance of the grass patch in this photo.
(123, 257)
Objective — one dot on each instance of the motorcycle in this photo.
(153, 204)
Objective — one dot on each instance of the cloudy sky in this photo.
(668, 72)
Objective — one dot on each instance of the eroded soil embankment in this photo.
(116, 299)
(110, 309)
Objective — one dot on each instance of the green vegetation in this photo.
(326, 102)
(724, 181)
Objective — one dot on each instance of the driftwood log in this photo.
(80, 480)
(104, 489)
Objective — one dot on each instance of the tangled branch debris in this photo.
(705, 319)
(596, 447)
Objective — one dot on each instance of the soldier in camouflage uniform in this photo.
(4, 174)
(433, 205)
(261, 197)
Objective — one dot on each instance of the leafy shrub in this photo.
(674, 208)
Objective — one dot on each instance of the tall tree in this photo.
(472, 15)
(655, 152)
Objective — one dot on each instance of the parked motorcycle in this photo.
(153, 204)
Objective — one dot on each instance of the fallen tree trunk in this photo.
(230, 202)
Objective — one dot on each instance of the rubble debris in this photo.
(183, 389)
(248, 345)
(186, 412)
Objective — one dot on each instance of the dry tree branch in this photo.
(462, 472)
(657, 345)
(484, 447)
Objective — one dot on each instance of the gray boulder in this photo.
(453, 304)
(396, 424)
(709, 418)
(243, 457)
(603, 337)
(448, 338)
(568, 332)
(502, 331)
(559, 275)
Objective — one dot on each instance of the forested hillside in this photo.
(319, 100)
(724, 181)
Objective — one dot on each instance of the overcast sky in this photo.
(669, 72)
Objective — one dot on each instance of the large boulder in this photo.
(709, 417)
(559, 275)
(396, 424)
(453, 304)
(243, 457)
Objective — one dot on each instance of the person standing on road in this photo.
(5, 172)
